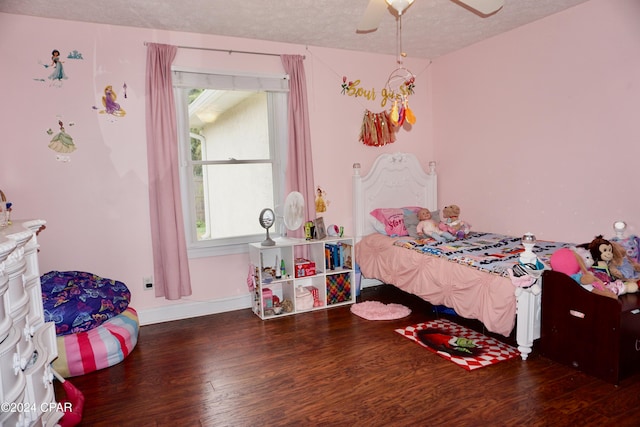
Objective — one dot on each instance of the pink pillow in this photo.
(393, 219)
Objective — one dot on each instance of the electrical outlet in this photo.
(147, 283)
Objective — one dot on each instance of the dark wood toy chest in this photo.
(595, 334)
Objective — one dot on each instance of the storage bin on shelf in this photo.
(338, 288)
(304, 268)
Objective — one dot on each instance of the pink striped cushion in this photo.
(98, 348)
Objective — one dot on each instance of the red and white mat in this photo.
(462, 346)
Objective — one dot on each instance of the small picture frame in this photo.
(320, 230)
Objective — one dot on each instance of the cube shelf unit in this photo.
(323, 267)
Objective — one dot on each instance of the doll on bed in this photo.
(427, 227)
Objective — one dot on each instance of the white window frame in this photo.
(277, 88)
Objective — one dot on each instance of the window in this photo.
(232, 133)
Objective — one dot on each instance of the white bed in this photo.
(398, 180)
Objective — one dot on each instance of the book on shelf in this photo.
(338, 255)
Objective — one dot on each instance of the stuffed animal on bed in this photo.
(585, 254)
(623, 266)
(452, 223)
(428, 227)
(602, 253)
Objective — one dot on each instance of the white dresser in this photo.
(27, 342)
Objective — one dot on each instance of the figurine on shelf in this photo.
(5, 211)
(277, 307)
(278, 270)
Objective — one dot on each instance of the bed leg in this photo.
(528, 320)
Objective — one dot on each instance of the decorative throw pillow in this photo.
(377, 225)
(393, 219)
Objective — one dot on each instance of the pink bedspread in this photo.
(472, 293)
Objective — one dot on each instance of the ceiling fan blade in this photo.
(485, 7)
(372, 16)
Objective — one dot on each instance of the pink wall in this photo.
(96, 205)
(531, 129)
(537, 130)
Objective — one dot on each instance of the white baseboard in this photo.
(189, 309)
(186, 310)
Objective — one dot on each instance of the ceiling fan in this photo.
(376, 9)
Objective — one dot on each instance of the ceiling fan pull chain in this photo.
(398, 39)
(400, 51)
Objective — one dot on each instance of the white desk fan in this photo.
(293, 211)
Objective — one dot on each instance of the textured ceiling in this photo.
(430, 27)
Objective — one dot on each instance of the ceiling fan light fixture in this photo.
(399, 5)
(483, 7)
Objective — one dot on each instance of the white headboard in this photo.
(395, 180)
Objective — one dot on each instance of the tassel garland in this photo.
(377, 129)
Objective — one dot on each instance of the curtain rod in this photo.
(229, 51)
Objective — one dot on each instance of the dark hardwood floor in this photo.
(332, 368)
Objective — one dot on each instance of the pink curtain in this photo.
(299, 174)
(170, 262)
